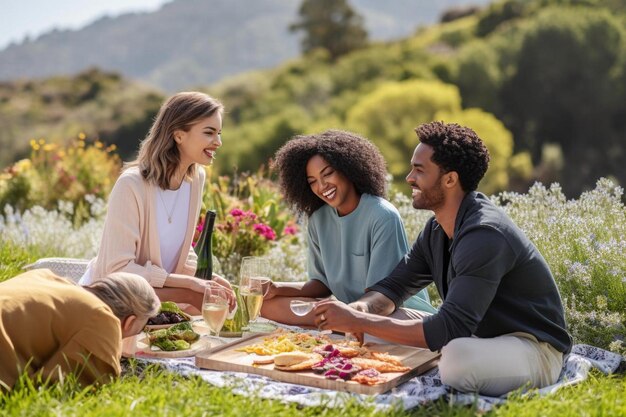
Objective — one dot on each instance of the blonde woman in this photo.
(55, 327)
(155, 203)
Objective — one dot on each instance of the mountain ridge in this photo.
(182, 44)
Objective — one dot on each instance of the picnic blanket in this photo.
(416, 391)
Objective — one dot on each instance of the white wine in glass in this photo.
(253, 300)
(254, 284)
(214, 309)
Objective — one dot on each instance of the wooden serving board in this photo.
(226, 358)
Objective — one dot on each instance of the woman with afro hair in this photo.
(355, 236)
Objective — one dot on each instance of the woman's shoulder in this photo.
(130, 182)
(322, 214)
(130, 174)
(131, 177)
(380, 206)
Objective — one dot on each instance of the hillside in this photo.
(195, 42)
(505, 71)
(101, 105)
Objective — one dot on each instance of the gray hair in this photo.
(126, 294)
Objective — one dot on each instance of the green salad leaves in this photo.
(178, 337)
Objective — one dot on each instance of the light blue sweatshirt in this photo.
(351, 253)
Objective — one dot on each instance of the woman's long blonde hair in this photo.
(158, 157)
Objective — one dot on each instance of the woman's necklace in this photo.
(169, 213)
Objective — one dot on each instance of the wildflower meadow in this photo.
(583, 241)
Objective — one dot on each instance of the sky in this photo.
(20, 18)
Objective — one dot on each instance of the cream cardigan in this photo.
(130, 240)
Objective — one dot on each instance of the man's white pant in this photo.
(498, 365)
(493, 366)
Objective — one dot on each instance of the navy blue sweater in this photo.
(490, 276)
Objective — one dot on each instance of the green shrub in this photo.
(56, 173)
(251, 219)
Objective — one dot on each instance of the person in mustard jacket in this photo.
(49, 326)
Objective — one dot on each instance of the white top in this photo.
(130, 237)
(171, 235)
(172, 205)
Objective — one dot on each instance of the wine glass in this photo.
(214, 309)
(302, 308)
(255, 280)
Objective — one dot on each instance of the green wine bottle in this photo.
(204, 249)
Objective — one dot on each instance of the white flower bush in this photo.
(52, 232)
(583, 241)
(289, 259)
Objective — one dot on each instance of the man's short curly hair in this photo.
(352, 155)
(456, 148)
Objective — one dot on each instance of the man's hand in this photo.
(335, 315)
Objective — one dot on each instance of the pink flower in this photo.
(290, 230)
(236, 212)
(264, 230)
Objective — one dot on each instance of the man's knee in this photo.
(458, 365)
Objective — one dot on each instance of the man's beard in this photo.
(430, 199)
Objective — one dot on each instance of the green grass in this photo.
(157, 393)
(153, 392)
(13, 258)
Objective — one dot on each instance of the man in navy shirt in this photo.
(501, 325)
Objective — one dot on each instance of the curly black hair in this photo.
(352, 155)
(456, 148)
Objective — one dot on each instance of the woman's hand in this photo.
(272, 291)
(360, 306)
(199, 285)
(309, 289)
(222, 281)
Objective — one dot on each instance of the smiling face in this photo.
(331, 186)
(199, 143)
(425, 180)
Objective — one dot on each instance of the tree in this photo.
(565, 90)
(389, 114)
(478, 75)
(497, 139)
(330, 24)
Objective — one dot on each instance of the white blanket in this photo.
(419, 390)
